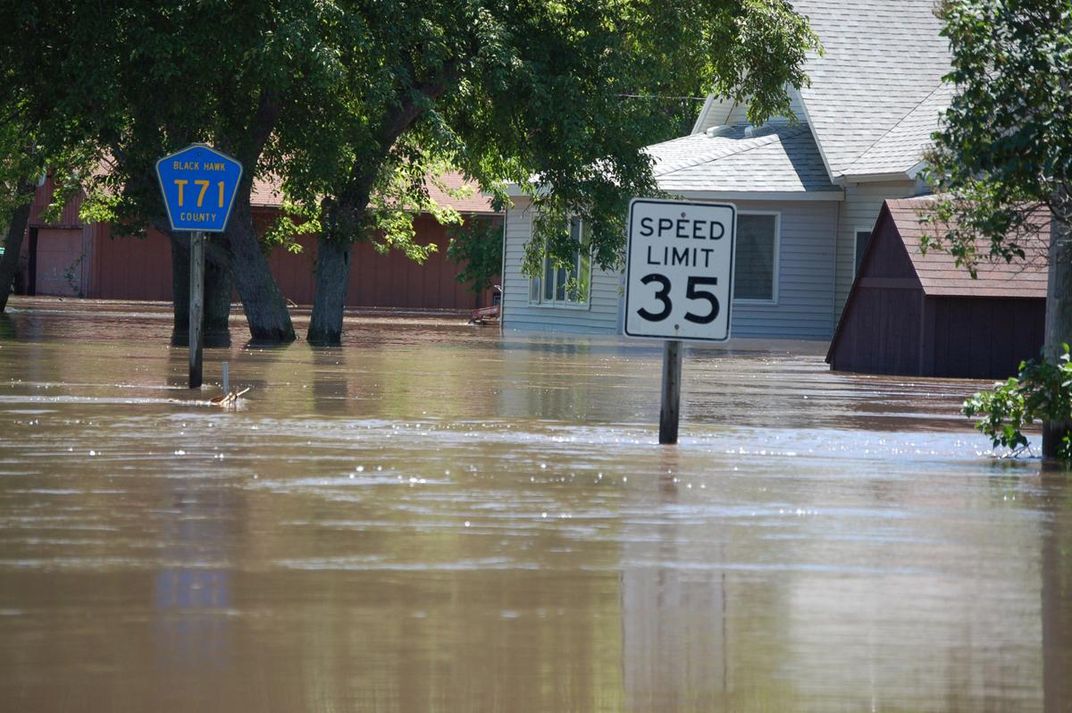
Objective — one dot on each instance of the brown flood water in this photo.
(436, 518)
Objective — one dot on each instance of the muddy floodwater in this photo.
(435, 517)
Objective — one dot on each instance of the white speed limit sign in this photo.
(679, 274)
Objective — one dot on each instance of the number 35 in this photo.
(693, 291)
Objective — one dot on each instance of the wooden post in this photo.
(197, 306)
(671, 401)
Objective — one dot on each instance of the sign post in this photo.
(679, 284)
(197, 306)
(199, 185)
(670, 404)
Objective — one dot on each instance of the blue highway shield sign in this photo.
(199, 185)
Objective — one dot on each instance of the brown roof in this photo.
(267, 194)
(474, 202)
(940, 276)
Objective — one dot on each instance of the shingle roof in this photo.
(940, 276)
(903, 145)
(267, 193)
(873, 94)
(773, 159)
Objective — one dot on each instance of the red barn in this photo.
(72, 258)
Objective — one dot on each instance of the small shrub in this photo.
(1041, 392)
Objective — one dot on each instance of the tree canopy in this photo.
(1002, 166)
(351, 104)
(1005, 149)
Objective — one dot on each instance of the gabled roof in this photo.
(720, 111)
(775, 159)
(904, 145)
(875, 95)
(938, 274)
(901, 221)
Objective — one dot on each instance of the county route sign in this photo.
(199, 185)
(679, 274)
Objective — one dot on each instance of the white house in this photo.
(807, 192)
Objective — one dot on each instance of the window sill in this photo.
(755, 303)
(560, 305)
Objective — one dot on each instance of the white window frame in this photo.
(776, 268)
(536, 286)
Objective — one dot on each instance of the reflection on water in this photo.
(434, 518)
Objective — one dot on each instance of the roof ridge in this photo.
(758, 142)
(898, 123)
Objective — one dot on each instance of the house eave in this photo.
(761, 195)
(887, 177)
(914, 172)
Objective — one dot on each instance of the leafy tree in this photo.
(1003, 159)
(16, 197)
(28, 147)
(539, 93)
(477, 248)
(1040, 392)
(161, 76)
(352, 103)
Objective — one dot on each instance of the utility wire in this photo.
(660, 96)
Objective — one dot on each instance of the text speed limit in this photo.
(679, 272)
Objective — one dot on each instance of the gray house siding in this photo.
(804, 304)
(859, 211)
(601, 314)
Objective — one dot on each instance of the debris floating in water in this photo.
(230, 398)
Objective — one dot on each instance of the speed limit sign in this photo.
(679, 282)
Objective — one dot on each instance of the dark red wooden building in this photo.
(72, 258)
(920, 315)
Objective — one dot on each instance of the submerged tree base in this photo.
(332, 275)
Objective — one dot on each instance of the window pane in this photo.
(863, 237)
(568, 284)
(534, 289)
(584, 276)
(753, 278)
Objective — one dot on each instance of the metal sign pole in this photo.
(678, 284)
(671, 399)
(197, 305)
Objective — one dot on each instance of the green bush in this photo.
(1041, 392)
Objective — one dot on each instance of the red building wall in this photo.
(139, 268)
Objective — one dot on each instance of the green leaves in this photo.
(477, 248)
(1005, 148)
(1041, 392)
(344, 101)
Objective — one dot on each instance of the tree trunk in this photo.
(1058, 314)
(266, 310)
(332, 276)
(218, 290)
(346, 216)
(180, 290)
(9, 263)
